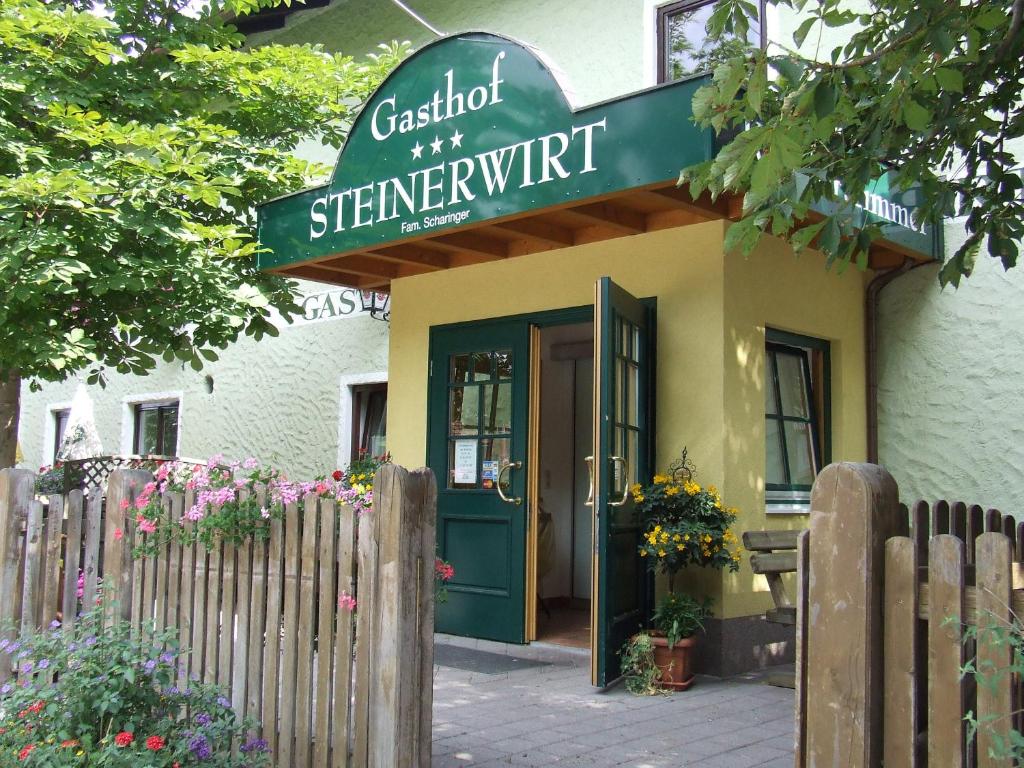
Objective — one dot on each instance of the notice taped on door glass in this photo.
(465, 462)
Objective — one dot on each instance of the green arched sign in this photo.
(476, 127)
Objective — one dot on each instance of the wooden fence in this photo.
(889, 599)
(261, 619)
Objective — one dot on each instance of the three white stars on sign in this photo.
(436, 144)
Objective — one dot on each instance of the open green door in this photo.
(479, 380)
(623, 327)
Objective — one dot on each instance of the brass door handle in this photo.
(590, 487)
(625, 480)
(517, 500)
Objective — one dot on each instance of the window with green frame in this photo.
(797, 408)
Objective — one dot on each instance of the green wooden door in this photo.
(479, 384)
(623, 329)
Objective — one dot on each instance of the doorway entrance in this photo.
(534, 508)
(564, 518)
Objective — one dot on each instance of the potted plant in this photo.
(676, 621)
(683, 525)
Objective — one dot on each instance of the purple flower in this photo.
(91, 640)
(43, 664)
(224, 702)
(4, 644)
(23, 654)
(200, 747)
(54, 624)
(150, 665)
(72, 647)
(203, 719)
(26, 667)
(167, 658)
(255, 745)
(13, 647)
(6, 689)
(172, 691)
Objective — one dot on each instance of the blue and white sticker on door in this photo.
(489, 473)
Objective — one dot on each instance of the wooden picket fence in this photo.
(261, 620)
(887, 597)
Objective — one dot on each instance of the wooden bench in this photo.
(775, 555)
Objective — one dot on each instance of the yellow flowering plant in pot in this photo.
(683, 524)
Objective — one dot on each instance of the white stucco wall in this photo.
(951, 363)
(284, 400)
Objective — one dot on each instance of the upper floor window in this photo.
(60, 428)
(683, 47)
(156, 429)
(797, 422)
(369, 420)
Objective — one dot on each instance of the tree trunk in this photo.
(10, 406)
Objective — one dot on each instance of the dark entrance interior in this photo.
(564, 520)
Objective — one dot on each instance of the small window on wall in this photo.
(156, 429)
(683, 47)
(797, 419)
(60, 428)
(369, 420)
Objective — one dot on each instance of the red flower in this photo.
(337, 474)
(37, 707)
(69, 743)
(124, 738)
(25, 751)
(155, 743)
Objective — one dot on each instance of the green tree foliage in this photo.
(928, 91)
(135, 138)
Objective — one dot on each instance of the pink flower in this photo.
(347, 602)
(118, 534)
(147, 526)
(321, 487)
(142, 502)
(80, 592)
(444, 571)
(124, 504)
(250, 463)
(148, 488)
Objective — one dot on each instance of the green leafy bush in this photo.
(101, 696)
(679, 616)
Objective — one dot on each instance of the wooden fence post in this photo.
(395, 598)
(123, 485)
(17, 488)
(854, 510)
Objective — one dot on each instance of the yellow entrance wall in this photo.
(775, 289)
(711, 317)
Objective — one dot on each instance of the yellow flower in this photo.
(707, 538)
(636, 489)
(643, 553)
(712, 490)
(657, 529)
(686, 537)
(661, 553)
(680, 547)
(664, 537)
(677, 537)
(359, 488)
(661, 479)
(672, 490)
(638, 497)
(691, 487)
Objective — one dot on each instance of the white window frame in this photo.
(346, 384)
(128, 404)
(50, 429)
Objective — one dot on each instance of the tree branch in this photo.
(1015, 25)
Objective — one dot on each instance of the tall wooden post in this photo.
(394, 638)
(854, 509)
(17, 489)
(123, 485)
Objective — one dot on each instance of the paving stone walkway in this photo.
(535, 707)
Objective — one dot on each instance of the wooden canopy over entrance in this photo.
(471, 152)
(633, 212)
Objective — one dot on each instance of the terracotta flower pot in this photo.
(675, 663)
